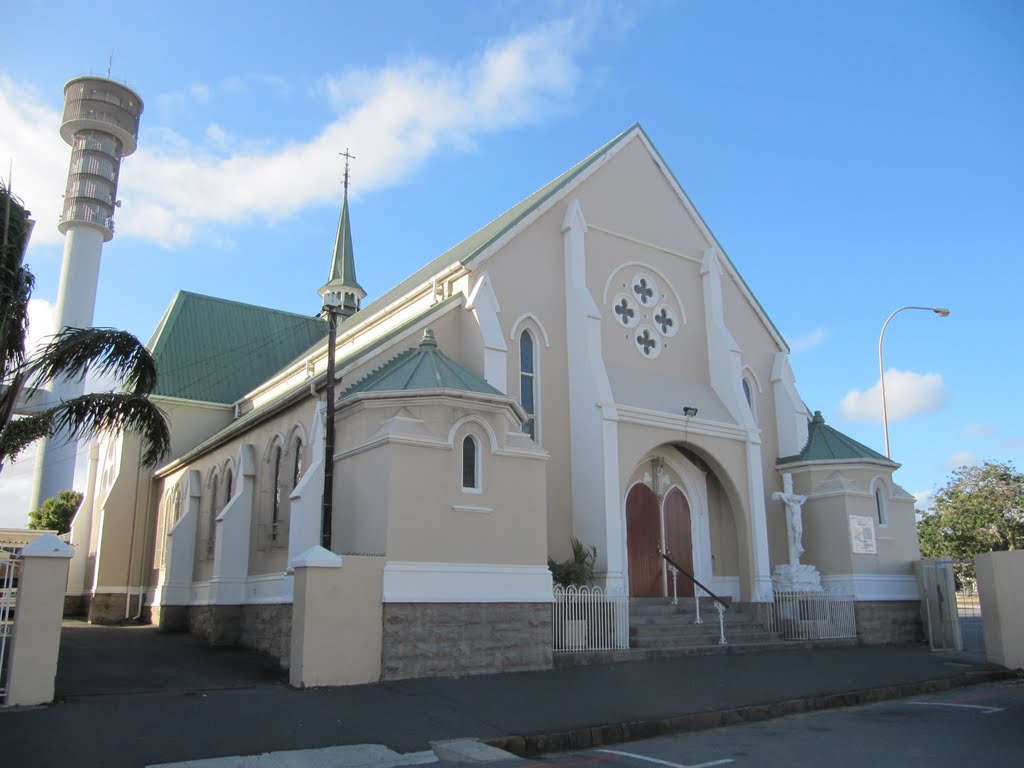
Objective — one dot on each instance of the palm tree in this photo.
(70, 354)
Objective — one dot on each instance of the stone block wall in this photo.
(107, 608)
(439, 639)
(217, 624)
(268, 628)
(895, 622)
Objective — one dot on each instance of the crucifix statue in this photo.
(794, 522)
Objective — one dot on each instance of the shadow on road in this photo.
(97, 660)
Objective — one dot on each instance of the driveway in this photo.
(97, 660)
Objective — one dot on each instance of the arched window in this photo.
(275, 492)
(528, 382)
(470, 464)
(297, 465)
(227, 487)
(883, 513)
(748, 393)
(215, 507)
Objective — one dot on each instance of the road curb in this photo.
(531, 745)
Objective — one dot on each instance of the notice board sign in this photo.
(862, 535)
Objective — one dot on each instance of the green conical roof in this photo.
(343, 263)
(827, 444)
(421, 368)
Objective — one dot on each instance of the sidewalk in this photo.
(526, 712)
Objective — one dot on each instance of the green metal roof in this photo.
(421, 368)
(215, 350)
(827, 444)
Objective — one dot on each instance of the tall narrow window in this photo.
(748, 393)
(211, 533)
(275, 493)
(227, 488)
(527, 383)
(883, 515)
(470, 465)
(297, 467)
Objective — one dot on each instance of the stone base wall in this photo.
(439, 639)
(217, 624)
(169, 618)
(107, 608)
(268, 628)
(75, 605)
(882, 623)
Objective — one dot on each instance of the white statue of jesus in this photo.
(794, 521)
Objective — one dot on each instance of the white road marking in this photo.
(664, 762)
(984, 710)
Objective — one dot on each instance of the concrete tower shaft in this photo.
(101, 123)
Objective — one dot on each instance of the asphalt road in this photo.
(979, 725)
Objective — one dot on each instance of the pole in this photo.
(941, 312)
(328, 500)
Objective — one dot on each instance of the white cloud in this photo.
(961, 458)
(42, 321)
(15, 490)
(397, 117)
(907, 394)
(978, 430)
(28, 132)
(809, 340)
(924, 501)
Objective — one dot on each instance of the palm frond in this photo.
(73, 352)
(19, 434)
(111, 412)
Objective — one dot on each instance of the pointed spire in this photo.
(342, 278)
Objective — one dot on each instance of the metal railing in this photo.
(813, 615)
(589, 619)
(717, 602)
(8, 600)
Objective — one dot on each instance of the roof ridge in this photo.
(468, 246)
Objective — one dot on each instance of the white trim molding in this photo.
(872, 587)
(466, 583)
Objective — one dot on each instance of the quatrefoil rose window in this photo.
(641, 308)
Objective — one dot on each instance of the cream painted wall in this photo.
(431, 519)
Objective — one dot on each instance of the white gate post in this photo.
(42, 580)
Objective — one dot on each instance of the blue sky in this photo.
(852, 158)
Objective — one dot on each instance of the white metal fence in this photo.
(813, 615)
(590, 619)
(8, 599)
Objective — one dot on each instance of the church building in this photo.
(588, 365)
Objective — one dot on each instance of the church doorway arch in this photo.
(643, 540)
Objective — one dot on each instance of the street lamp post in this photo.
(331, 304)
(941, 312)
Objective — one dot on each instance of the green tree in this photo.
(980, 509)
(56, 513)
(71, 354)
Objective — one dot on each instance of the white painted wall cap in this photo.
(316, 557)
(47, 545)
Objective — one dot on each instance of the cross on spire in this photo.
(347, 157)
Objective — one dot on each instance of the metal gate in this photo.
(938, 603)
(8, 600)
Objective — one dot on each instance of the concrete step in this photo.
(647, 654)
(703, 639)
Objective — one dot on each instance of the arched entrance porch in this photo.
(677, 504)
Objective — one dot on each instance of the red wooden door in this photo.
(643, 533)
(678, 537)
